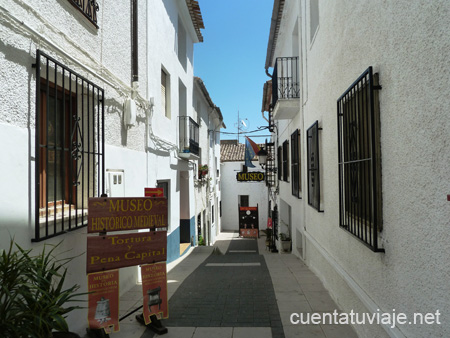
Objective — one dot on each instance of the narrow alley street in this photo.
(237, 289)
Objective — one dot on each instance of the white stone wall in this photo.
(412, 59)
(146, 152)
(231, 190)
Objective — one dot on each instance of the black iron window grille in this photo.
(70, 165)
(270, 168)
(280, 162)
(286, 161)
(189, 135)
(295, 164)
(271, 121)
(360, 160)
(286, 80)
(89, 8)
(312, 135)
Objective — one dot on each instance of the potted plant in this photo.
(35, 303)
(204, 170)
(285, 238)
(201, 241)
(285, 242)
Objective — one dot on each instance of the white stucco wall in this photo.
(412, 59)
(231, 189)
(207, 191)
(104, 57)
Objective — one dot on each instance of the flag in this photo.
(251, 149)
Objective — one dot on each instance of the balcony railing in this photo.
(89, 8)
(188, 136)
(285, 79)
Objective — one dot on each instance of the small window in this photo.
(212, 214)
(182, 44)
(286, 161)
(165, 94)
(295, 164)
(280, 162)
(313, 166)
(314, 18)
(243, 200)
(360, 160)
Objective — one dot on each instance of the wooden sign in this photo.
(103, 300)
(248, 222)
(154, 288)
(126, 213)
(118, 251)
(251, 176)
(154, 192)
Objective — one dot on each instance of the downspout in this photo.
(134, 42)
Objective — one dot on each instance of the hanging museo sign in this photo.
(252, 176)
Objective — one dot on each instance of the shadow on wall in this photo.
(114, 107)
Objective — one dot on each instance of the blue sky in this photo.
(231, 59)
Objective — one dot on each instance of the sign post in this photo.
(108, 252)
(119, 251)
(154, 192)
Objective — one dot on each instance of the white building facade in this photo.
(207, 182)
(358, 107)
(238, 193)
(94, 100)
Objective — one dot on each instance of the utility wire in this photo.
(246, 132)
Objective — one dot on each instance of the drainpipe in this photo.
(134, 42)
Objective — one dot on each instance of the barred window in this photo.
(313, 166)
(88, 8)
(359, 160)
(286, 161)
(280, 162)
(296, 181)
(165, 94)
(69, 147)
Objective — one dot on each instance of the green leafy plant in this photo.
(33, 295)
(13, 315)
(201, 241)
(285, 236)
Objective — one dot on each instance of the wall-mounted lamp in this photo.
(262, 157)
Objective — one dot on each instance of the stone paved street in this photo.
(237, 289)
(228, 290)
